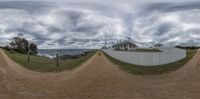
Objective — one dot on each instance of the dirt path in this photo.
(98, 78)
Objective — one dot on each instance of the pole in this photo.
(57, 59)
(28, 52)
(28, 56)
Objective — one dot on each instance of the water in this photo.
(51, 53)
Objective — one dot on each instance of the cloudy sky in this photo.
(88, 23)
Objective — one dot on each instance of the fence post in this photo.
(28, 52)
(28, 56)
(57, 59)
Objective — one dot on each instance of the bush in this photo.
(188, 47)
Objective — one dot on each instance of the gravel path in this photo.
(98, 78)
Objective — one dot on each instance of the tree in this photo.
(33, 48)
(22, 45)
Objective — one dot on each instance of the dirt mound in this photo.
(98, 78)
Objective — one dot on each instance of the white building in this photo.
(124, 46)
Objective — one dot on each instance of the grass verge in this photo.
(147, 50)
(143, 50)
(152, 70)
(42, 64)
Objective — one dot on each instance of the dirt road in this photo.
(98, 78)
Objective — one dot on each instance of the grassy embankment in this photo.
(152, 70)
(144, 50)
(42, 64)
(147, 50)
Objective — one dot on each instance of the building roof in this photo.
(124, 43)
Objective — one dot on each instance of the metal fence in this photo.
(168, 55)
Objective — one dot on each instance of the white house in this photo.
(124, 46)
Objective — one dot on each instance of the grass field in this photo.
(147, 50)
(144, 50)
(152, 70)
(42, 64)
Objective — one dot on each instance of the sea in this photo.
(51, 53)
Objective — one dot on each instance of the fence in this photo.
(168, 55)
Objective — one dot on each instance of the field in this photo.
(144, 50)
(42, 64)
(147, 50)
(152, 70)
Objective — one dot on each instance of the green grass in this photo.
(152, 70)
(144, 50)
(147, 50)
(42, 64)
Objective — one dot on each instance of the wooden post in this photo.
(57, 59)
(28, 56)
(28, 52)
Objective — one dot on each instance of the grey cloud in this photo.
(182, 7)
(74, 21)
(30, 6)
(172, 31)
(194, 31)
(171, 7)
(88, 29)
(39, 39)
(27, 30)
(53, 29)
(190, 43)
(164, 28)
(91, 24)
(70, 17)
